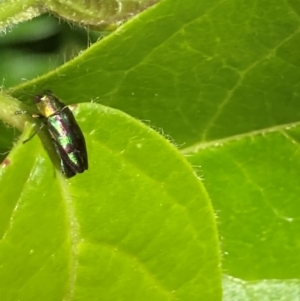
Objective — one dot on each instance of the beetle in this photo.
(64, 131)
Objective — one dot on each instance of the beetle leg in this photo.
(35, 132)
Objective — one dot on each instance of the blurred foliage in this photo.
(35, 47)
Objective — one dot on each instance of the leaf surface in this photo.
(137, 225)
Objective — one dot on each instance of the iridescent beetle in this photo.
(64, 131)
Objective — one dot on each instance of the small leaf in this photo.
(137, 225)
(101, 14)
(13, 12)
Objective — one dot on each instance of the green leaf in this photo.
(137, 225)
(103, 15)
(195, 70)
(253, 182)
